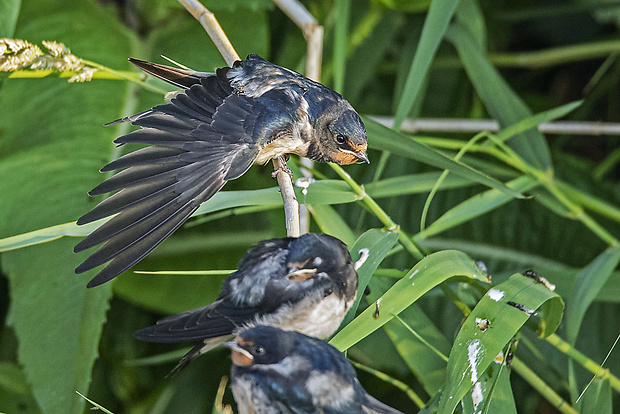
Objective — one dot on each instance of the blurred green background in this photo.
(57, 337)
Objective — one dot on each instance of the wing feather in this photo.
(187, 162)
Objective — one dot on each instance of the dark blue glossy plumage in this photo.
(211, 132)
(306, 284)
(276, 371)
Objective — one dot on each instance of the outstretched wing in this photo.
(201, 139)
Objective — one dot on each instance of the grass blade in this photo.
(439, 15)
(425, 275)
(491, 325)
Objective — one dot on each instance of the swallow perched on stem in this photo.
(211, 132)
(276, 371)
(305, 284)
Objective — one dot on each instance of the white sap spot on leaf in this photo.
(363, 257)
(474, 354)
(476, 395)
(495, 294)
(414, 273)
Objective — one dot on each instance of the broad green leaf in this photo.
(439, 15)
(597, 398)
(476, 206)
(380, 137)
(377, 243)
(331, 223)
(500, 101)
(497, 317)
(9, 10)
(53, 144)
(425, 275)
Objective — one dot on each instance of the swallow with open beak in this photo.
(305, 284)
(276, 371)
(211, 132)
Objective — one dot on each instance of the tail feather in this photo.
(178, 77)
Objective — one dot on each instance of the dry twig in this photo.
(214, 30)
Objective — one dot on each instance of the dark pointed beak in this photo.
(362, 156)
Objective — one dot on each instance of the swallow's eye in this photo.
(259, 350)
(341, 139)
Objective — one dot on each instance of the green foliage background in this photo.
(502, 60)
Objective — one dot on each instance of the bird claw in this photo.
(284, 168)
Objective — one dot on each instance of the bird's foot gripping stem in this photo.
(283, 167)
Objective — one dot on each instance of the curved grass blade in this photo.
(439, 15)
(425, 275)
(497, 317)
(476, 206)
(501, 102)
(386, 139)
(378, 243)
(588, 283)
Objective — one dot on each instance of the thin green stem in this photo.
(372, 205)
(590, 365)
(398, 384)
(444, 174)
(578, 212)
(539, 385)
(127, 76)
(557, 55)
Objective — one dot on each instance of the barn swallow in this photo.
(305, 284)
(276, 371)
(211, 132)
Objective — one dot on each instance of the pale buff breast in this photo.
(313, 316)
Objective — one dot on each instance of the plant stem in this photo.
(603, 373)
(132, 77)
(214, 30)
(539, 385)
(372, 205)
(557, 55)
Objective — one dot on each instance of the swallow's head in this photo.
(324, 254)
(261, 345)
(341, 136)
